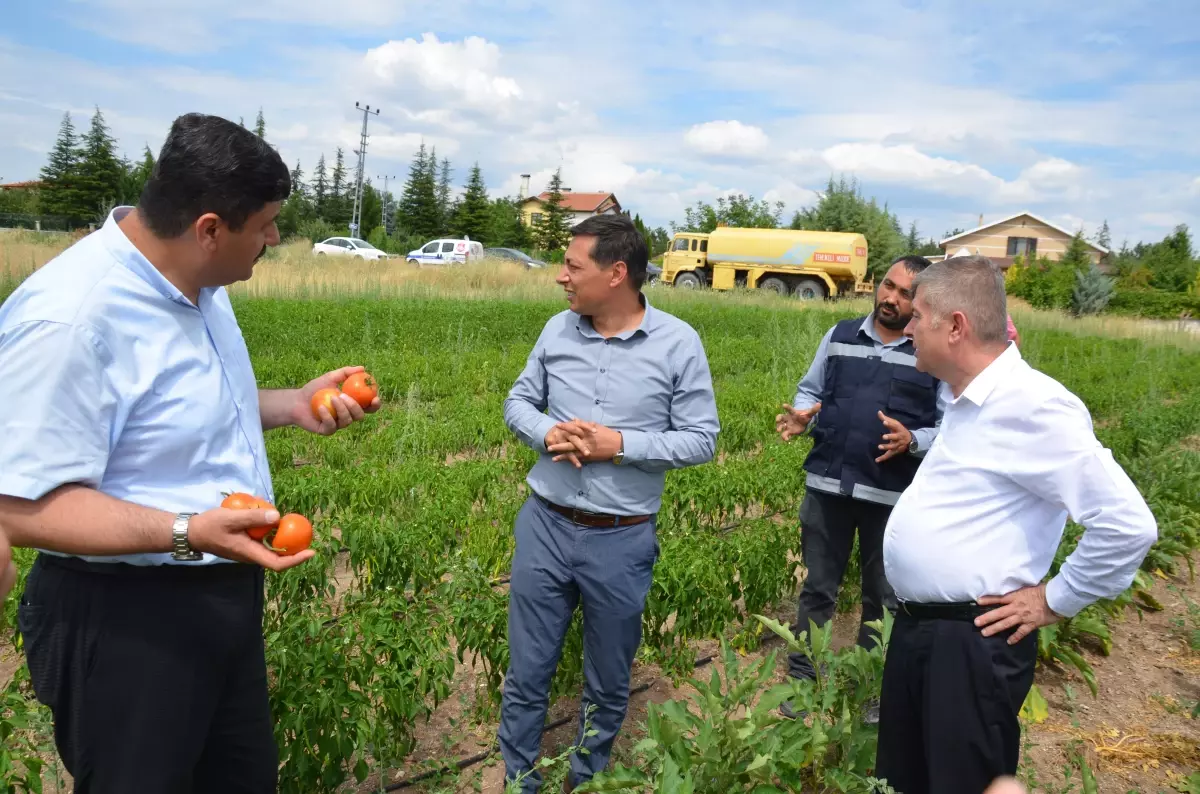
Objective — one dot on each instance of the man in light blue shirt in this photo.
(614, 394)
(142, 615)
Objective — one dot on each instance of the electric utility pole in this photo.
(361, 151)
(387, 215)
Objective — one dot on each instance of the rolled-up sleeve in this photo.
(59, 431)
(525, 406)
(692, 436)
(1072, 469)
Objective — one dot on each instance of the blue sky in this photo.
(944, 110)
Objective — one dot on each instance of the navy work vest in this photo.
(860, 382)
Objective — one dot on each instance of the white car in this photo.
(348, 246)
(447, 251)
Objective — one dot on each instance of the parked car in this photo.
(446, 251)
(514, 255)
(349, 246)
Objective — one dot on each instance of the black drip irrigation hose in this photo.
(471, 760)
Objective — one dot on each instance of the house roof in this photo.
(579, 202)
(1014, 216)
(20, 185)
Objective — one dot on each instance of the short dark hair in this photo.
(617, 240)
(210, 164)
(912, 263)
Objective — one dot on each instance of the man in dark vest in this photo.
(871, 416)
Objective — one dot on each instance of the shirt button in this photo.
(581, 493)
(602, 370)
(607, 341)
(597, 402)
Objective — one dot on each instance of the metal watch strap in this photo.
(181, 549)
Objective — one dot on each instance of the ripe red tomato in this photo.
(294, 534)
(361, 387)
(244, 501)
(325, 397)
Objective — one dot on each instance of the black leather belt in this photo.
(165, 570)
(589, 519)
(959, 610)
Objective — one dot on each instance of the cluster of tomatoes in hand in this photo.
(292, 533)
(360, 386)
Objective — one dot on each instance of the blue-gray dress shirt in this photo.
(652, 384)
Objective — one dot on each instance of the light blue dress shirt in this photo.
(652, 383)
(126, 386)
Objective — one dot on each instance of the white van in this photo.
(447, 251)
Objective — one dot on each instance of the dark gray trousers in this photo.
(558, 563)
(827, 525)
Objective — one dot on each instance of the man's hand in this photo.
(348, 411)
(793, 422)
(1025, 609)
(223, 532)
(895, 440)
(8, 569)
(580, 442)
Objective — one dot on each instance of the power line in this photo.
(361, 151)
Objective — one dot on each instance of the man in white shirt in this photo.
(969, 542)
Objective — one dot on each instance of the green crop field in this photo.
(405, 605)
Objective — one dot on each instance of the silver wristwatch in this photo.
(913, 446)
(182, 550)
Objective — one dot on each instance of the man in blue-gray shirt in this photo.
(872, 416)
(142, 613)
(614, 394)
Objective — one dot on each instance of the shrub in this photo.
(1093, 291)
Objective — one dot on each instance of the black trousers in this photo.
(156, 676)
(948, 713)
(827, 526)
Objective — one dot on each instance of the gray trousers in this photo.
(557, 564)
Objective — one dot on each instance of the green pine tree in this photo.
(1077, 256)
(1093, 291)
(417, 214)
(445, 208)
(473, 215)
(58, 196)
(338, 204)
(552, 232)
(298, 180)
(100, 171)
(320, 189)
(260, 125)
(134, 177)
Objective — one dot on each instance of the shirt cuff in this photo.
(1062, 600)
(924, 437)
(543, 425)
(635, 444)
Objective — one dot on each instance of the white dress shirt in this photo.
(1015, 456)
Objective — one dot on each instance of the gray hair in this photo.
(973, 285)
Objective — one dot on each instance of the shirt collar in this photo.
(868, 328)
(136, 262)
(993, 374)
(649, 322)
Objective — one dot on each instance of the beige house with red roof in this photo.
(578, 206)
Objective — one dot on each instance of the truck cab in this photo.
(686, 262)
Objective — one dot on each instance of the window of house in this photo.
(537, 217)
(1022, 246)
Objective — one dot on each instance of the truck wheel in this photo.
(689, 281)
(776, 285)
(809, 289)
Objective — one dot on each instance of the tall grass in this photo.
(292, 271)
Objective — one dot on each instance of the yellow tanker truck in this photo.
(806, 264)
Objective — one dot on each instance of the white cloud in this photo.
(727, 138)
(464, 71)
(794, 196)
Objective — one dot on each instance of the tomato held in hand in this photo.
(361, 387)
(244, 501)
(325, 397)
(294, 534)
